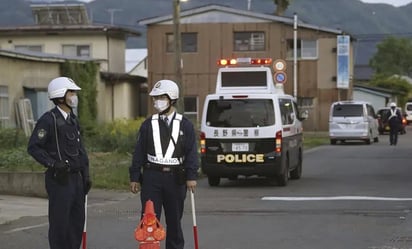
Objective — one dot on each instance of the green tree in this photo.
(395, 83)
(85, 75)
(394, 56)
(281, 6)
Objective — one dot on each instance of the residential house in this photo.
(25, 75)
(216, 31)
(64, 29)
(136, 64)
(378, 97)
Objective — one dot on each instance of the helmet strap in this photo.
(62, 101)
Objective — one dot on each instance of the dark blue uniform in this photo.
(166, 188)
(394, 118)
(66, 199)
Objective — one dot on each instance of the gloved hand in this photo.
(61, 172)
(87, 185)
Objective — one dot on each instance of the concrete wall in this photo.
(23, 183)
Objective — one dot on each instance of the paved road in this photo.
(350, 196)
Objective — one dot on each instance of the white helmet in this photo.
(59, 86)
(167, 87)
(393, 104)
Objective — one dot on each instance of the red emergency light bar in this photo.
(244, 61)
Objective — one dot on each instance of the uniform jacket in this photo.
(186, 147)
(43, 142)
(394, 119)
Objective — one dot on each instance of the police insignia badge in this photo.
(41, 134)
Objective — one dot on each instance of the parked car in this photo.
(408, 112)
(383, 122)
(353, 120)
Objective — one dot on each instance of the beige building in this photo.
(214, 31)
(63, 29)
(25, 75)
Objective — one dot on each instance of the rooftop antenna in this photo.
(112, 12)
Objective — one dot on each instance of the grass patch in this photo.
(108, 170)
(312, 140)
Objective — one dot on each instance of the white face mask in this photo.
(73, 101)
(161, 105)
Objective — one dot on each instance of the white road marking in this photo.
(335, 198)
(26, 228)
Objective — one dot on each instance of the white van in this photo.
(353, 120)
(408, 112)
(250, 127)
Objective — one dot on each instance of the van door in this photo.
(291, 130)
(373, 121)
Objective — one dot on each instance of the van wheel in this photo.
(213, 180)
(297, 172)
(376, 139)
(333, 141)
(283, 177)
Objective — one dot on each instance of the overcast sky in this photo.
(396, 3)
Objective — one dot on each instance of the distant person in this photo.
(394, 118)
(56, 144)
(166, 151)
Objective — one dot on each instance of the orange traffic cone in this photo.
(149, 232)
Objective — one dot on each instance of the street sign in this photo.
(280, 77)
(279, 65)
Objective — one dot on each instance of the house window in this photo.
(306, 49)
(4, 107)
(189, 42)
(76, 50)
(305, 102)
(249, 41)
(33, 48)
(190, 108)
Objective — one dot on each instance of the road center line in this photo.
(335, 198)
(26, 228)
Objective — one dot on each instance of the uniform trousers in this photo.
(66, 211)
(163, 190)
(393, 134)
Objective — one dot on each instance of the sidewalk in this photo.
(15, 207)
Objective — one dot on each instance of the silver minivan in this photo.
(353, 120)
(408, 112)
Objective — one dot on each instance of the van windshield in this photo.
(240, 113)
(409, 107)
(347, 110)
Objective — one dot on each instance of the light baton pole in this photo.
(84, 237)
(192, 198)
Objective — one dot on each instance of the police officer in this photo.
(394, 118)
(56, 144)
(166, 151)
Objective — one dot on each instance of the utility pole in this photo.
(178, 53)
(295, 56)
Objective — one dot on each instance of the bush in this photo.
(12, 138)
(119, 136)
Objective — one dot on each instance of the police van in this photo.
(250, 127)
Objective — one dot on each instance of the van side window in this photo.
(286, 111)
(371, 111)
